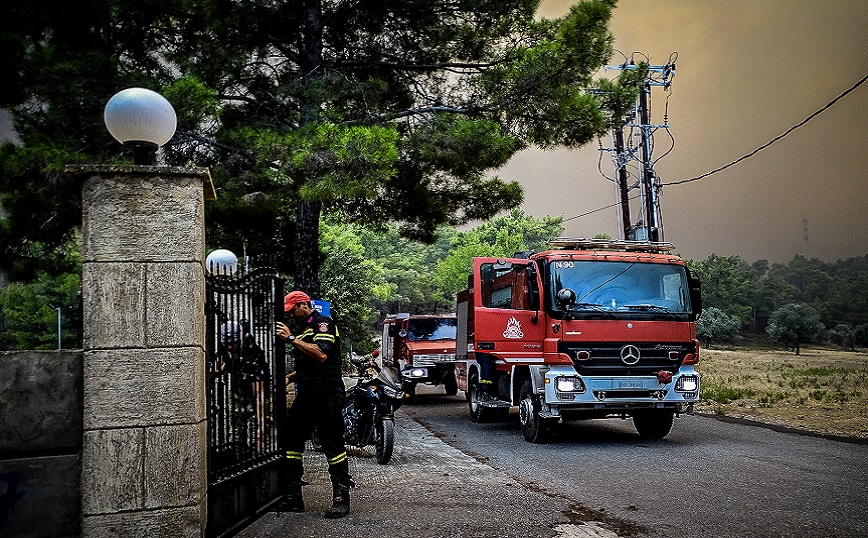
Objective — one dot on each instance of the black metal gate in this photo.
(246, 397)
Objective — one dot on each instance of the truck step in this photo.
(495, 403)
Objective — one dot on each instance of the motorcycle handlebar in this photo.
(367, 362)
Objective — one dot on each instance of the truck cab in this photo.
(589, 329)
(422, 348)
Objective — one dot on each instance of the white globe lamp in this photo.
(221, 262)
(141, 119)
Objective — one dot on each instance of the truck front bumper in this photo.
(427, 374)
(566, 390)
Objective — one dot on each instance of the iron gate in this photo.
(245, 364)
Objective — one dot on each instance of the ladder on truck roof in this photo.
(611, 244)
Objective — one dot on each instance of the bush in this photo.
(716, 325)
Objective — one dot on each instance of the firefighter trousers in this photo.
(318, 405)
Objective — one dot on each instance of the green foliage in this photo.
(795, 324)
(714, 325)
(501, 237)
(28, 313)
(347, 279)
(385, 112)
(714, 391)
(728, 283)
(407, 268)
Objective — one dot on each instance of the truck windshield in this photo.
(431, 329)
(607, 287)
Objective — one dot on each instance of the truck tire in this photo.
(478, 413)
(450, 384)
(653, 424)
(534, 428)
(384, 439)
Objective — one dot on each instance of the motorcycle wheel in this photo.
(384, 439)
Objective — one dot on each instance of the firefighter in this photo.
(318, 404)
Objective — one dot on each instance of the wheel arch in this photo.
(520, 374)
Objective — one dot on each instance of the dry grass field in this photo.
(821, 390)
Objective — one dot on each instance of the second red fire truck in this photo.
(422, 347)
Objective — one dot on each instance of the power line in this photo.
(775, 139)
(751, 154)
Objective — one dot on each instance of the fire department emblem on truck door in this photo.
(513, 329)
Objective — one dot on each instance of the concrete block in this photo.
(46, 496)
(113, 305)
(186, 522)
(40, 401)
(175, 467)
(174, 291)
(143, 387)
(143, 217)
(111, 474)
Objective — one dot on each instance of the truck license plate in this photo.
(629, 384)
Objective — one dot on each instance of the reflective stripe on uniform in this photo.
(338, 459)
(324, 336)
(295, 455)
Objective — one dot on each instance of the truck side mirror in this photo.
(695, 296)
(502, 265)
(533, 291)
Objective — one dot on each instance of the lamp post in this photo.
(221, 262)
(145, 434)
(140, 119)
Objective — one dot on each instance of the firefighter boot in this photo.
(292, 500)
(484, 392)
(340, 502)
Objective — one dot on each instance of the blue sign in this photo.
(323, 307)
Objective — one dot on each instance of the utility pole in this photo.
(649, 216)
(652, 204)
(623, 188)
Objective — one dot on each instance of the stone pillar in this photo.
(143, 289)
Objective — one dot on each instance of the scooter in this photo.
(369, 411)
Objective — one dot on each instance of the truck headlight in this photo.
(687, 383)
(416, 373)
(569, 384)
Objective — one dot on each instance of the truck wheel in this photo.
(653, 424)
(384, 439)
(478, 413)
(534, 428)
(450, 384)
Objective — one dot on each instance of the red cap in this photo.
(293, 298)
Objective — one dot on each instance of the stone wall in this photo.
(40, 443)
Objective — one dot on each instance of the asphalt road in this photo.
(450, 477)
(707, 478)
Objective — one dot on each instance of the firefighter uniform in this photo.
(318, 405)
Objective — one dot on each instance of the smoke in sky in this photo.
(747, 71)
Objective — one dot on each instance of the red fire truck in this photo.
(589, 329)
(422, 347)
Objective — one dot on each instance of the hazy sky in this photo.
(747, 71)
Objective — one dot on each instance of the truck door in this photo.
(507, 311)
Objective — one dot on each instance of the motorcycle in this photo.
(369, 411)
